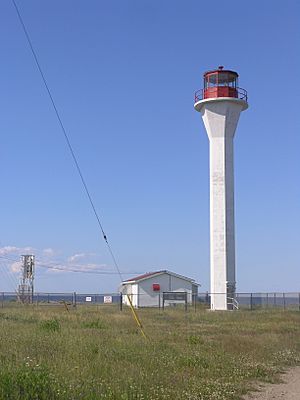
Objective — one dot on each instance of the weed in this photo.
(50, 325)
(97, 324)
(195, 339)
(28, 383)
(98, 355)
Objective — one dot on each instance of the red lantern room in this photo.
(220, 83)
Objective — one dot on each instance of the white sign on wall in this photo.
(107, 299)
(88, 298)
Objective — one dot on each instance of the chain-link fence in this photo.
(253, 301)
(161, 300)
(50, 299)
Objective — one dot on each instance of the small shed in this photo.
(147, 290)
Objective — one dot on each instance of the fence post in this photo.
(251, 302)
(207, 299)
(185, 306)
(74, 299)
(195, 302)
(299, 301)
(267, 300)
(283, 295)
(159, 300)
(274, 299)
(121, 302)
(3, 299)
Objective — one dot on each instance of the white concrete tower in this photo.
(220, 103)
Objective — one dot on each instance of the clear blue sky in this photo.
(123, 74)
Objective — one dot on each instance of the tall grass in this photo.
(98, 353)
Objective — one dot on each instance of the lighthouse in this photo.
(220, 103)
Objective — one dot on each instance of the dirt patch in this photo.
(288, 389)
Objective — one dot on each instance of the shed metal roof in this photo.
(151, 274)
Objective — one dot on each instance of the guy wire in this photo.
(73, 155)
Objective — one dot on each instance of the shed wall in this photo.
(130, 289)
(168, 283)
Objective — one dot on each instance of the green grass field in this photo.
(98, 353)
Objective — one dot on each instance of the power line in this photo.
(67, 139)
(83, 271)
(72, 269)
(9, 258)
(9, 275)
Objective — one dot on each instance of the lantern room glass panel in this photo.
(220, 83)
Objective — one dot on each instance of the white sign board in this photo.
(88, 299)
(107, 299)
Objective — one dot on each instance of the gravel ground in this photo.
(289, 389)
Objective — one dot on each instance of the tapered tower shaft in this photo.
(220, 113)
